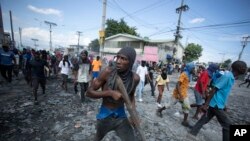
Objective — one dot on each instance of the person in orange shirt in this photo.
(96, 67)
(180, 92)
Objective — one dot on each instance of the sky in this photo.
(217, 25)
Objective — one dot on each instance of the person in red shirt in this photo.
(201, 86)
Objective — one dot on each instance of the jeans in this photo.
(139, 89)
(121, 126)
(221, 116)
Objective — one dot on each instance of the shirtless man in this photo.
(112, 114)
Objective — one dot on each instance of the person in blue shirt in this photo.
(6, 62)
(112, 115)
(217, 99)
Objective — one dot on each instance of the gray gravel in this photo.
(61, 117)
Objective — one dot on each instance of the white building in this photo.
(165, 47)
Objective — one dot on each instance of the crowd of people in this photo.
(211, 90)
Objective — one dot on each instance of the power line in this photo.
(217, 25)
(224, 25)
(151, 6)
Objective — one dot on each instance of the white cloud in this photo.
(197, 20)
(58, 39)
(46, 11)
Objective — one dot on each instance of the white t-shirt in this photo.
(65, 68)
(247, 76)
(142, 71)
(83, 73)
(17, 59)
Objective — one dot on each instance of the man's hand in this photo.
(134, 123)
(116, 95)
(204, 108)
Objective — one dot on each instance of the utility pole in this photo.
(177, 33)
(12, 32)
(20, 35)
(35, 40)
(50, 30)
(1, 27)
(244, 44)
(79, 34)
(102, 31)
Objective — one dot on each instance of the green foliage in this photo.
(192, 52)
(114, 27)
(226, 63)
(94, 45)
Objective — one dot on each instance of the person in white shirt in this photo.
(247, 79)
(142, 71)
(82, 73)
(65, 66)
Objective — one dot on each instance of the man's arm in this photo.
(211, 94)
(202, 89)
(75, 72)
(14, 59)
(100, 82)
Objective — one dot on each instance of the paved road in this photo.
(61, 117)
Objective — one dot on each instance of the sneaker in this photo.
(159, 105)
(140, 100)
(158, 113)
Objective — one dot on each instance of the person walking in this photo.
(180, 93)
(217, 100)
(112, 115)
(161, 81)
(6, 65)
(37, 66)
(201, 86)
(96, 67)
(247, 79)
(151, 75)
(82, 74)
(65, 66)
(142, 71)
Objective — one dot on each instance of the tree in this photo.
(94, 45)
(114, 27)
(226, 63)
(192, 52)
